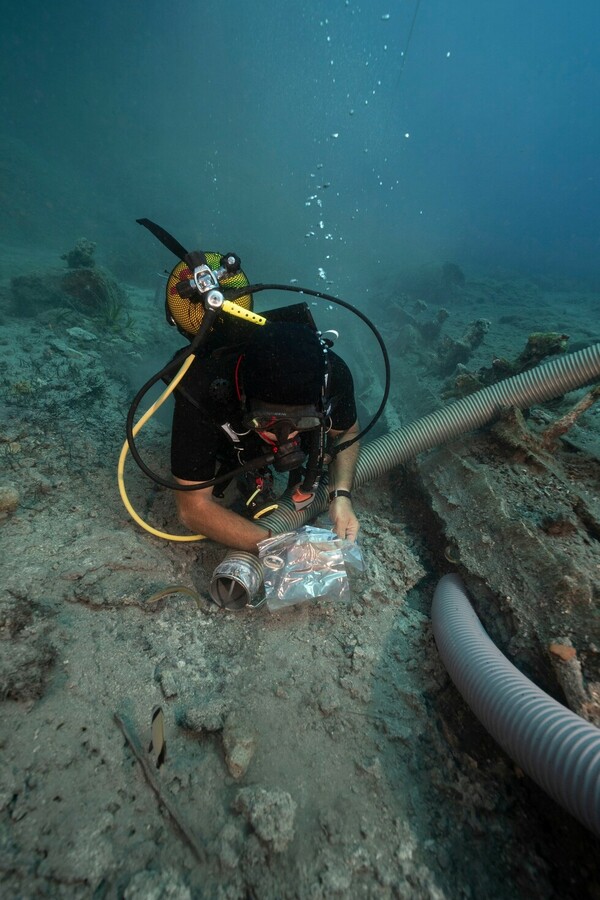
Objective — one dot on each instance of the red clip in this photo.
(302, 499)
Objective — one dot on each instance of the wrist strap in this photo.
(339, 493)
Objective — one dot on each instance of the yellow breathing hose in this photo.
(125, 450)
(232, 309)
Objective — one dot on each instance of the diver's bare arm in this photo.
(199, 512)
(341, 470)
(341, 476)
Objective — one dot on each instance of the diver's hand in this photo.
(345, 523)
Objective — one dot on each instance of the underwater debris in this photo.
(452, 554)
(84, 288)
(9, 500)
(95, 294)
(92, 291)
(190, 838)
(430, 330)
(82, 255)
(563, 651)
(239, 746)
(465, 383)
(415, 330)
(452, 352)
(583, 700)
(206, 715)
(522, 505)
(550, 436)
(539, 346)
(270, 814)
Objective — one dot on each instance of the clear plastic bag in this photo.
(307, 564)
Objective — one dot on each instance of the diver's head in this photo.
(282, 379)
(284, 363)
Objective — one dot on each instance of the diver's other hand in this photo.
(345, 523)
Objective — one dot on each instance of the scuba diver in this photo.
(283, 394)
(252, 393)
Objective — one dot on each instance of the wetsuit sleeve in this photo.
(194, 443)
(343, 405)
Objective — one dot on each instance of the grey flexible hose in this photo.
(549, 380)
(554, 746)
(237, 581)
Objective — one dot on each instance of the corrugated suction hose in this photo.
(545, 382)
(549, 380)
(238, 581)
(554, 746)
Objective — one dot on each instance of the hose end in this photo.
(237, 582)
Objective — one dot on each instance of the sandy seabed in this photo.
(314, 753)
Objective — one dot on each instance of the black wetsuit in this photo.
(207, 398)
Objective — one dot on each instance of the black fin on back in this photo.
(165, 238)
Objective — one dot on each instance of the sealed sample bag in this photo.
(306, 564)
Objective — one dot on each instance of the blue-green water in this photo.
(224, 123)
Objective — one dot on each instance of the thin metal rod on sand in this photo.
(195, 845)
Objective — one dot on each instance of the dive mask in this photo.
(275, 420)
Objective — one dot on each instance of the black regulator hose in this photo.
(176, 363)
